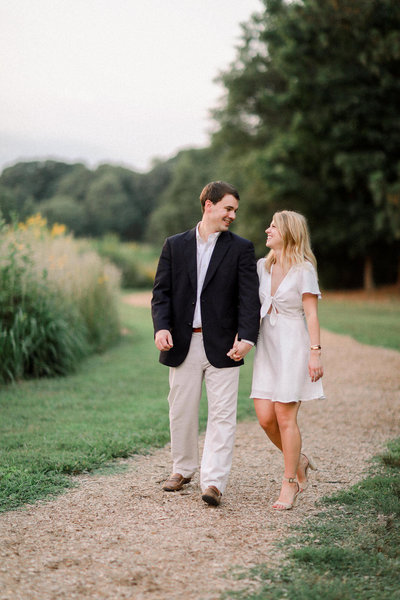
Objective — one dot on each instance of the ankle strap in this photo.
(290, 479)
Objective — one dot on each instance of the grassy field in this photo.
(375, 322)
(114, 407)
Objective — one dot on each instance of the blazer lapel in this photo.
(191, 256)
(220, 250)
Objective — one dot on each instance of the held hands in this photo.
(315, 367)
(163, 340)
(239, 350)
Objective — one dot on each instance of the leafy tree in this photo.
(108, 199)
(75, 182)
(36, 179)
(64, 210)
(179, 206)
(139, 200)
(314, 96)
(14, 205)
(106, 204)
(152, 185)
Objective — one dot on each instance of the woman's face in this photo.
(274, 238)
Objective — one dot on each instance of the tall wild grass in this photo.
(137, 262)
(58, 301)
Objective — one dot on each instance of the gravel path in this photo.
(119, 536)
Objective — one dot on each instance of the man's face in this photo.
(221, 214)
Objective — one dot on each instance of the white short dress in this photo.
(283, 347)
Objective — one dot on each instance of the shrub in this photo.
(58, 301)
(136, 263)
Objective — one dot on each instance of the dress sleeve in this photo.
(260, 267)
(309, 281)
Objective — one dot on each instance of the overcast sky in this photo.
(120, 81)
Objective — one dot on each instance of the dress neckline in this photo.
(280, 283)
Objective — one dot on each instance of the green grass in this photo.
(374, 323)
(350, 551)
(114, 407)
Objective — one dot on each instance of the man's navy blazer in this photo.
(229, 299)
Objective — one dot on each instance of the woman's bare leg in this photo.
(266, 414)
(265, 411)
(286, 415)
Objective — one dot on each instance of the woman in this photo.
(287, 362)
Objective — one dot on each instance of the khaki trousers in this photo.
(184, 399)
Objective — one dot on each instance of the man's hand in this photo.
(239, 350)
(163, 340)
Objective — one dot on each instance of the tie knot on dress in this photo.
(269, 303)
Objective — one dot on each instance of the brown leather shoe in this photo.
(175, 483)
(212, 496)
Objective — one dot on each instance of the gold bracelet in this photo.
(316, 347)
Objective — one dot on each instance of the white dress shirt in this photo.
(204, 253)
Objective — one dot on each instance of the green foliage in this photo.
(137, 263)
(107, 204)
(179, 206)
(57, 303)
(303, 100)
(41, 340)
(36, 179)
(90, 203)
(351, 551)
(65, 210)
(40, 333)
(392, 457)
(75, 183)
(104, 411)
(309, 122)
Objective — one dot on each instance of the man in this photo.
(205, 293)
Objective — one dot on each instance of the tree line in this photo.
(309, 121)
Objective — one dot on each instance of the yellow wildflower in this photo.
(57, 230)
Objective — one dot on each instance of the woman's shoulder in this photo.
(261, 270)
(306, 265)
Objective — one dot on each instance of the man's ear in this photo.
(207, 205)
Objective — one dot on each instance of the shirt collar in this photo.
(211, 238)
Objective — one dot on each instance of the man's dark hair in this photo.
(215, 191)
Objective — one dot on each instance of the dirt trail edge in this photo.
(119, 536)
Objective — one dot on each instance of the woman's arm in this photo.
(310, 306)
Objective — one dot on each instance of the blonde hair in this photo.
(296, 240)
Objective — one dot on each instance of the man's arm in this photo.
(248, 296)
(249, 306)
(161, 300)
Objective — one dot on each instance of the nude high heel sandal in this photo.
(288, 505)
(310, 465)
